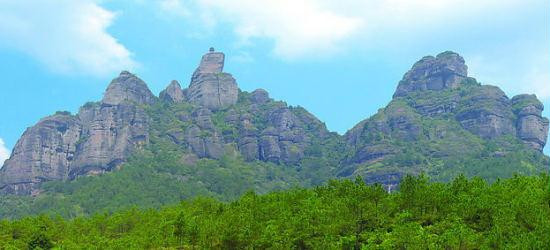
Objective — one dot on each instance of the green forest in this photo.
(464, 213)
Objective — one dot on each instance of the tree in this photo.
(40, 241)
(179, 228)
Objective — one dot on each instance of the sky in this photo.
(341, 60)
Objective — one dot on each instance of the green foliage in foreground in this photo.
(463, 214)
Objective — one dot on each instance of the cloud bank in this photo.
(67, 36)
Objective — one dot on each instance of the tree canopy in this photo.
(462, 214)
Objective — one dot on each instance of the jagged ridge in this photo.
(438, 115)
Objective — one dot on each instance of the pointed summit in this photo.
(209, 86)
(127, 88)
(172, 93)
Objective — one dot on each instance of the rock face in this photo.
(109, 134)
(213, 90)
(100, 137)
(44, 152)
(438, 113)
(532, 128)
(211, 62)
(259, 96)
(172, 93)
(127, 88)
(210, 87)
(258, 127)
(487, 112)
(437, 120)
(446, 71)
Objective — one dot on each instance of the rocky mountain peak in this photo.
(172, 93)
(259, 96)
(210, 87)
(127, 87)
(430, 125)
(211, 62)
(445, 71)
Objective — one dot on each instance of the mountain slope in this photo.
(210, 119)
(443, 123)
(214, 139)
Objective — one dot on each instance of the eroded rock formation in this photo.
(437, 113)
(210, 87)
(532, 128)
(172, 93)
(99, 138)
(445, 71)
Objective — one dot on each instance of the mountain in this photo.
(443, 123)
(212, 137)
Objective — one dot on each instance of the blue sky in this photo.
(341, 60)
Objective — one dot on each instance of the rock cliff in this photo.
(97, 139)
(445, 71)
(531, 127)
(439, 115)
(173, 93)
(440, 122)
(210, 87)
(44, 152)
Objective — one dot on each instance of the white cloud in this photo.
(300, 28)
(67, 36)
(4, 152)
(311, 28)
(297, 27)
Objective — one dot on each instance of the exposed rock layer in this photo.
(445, 71)
(436, 107)
(439, 108)
(100, 137)
(210, 87)
(532, 128)
(172, 93)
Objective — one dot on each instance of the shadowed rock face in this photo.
(210, 87)
(259, 96)
(172, 93)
